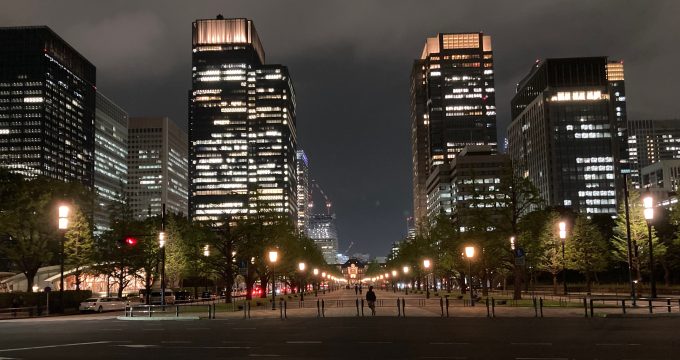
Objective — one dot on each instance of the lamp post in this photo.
(469, 253)
(63, 226)
(426, 265)
(648, 203)
(161, 245)
(301, 267)
(394, 278)
(316, 288)
(563, 237)
(273, 256)
(405, 269)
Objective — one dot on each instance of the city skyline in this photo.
(371, 210)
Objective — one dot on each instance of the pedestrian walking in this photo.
(356, 289)
(371, 298)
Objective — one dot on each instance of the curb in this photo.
(160, 318)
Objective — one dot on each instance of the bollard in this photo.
(585, 307)
(362, 307)
(403, 307)
(357, 303)
(214, 309)
(249, 306)
(245, 309)
(535, 307)
(285, 309)
(540, 302)
(398, 308)
(668, 302)
(318, 308)
(493, 307)
(488, 313)
(650, 306)
(447, 306)
(441, 305)
(591, 308)
(323, 308)
(623, 306)
(149, 309)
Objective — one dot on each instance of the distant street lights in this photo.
(648, 203)
(63, 226)
(563, 237)
(427, 264)
(405, 269)
(273, 257)
(470, 253)
(394, 279)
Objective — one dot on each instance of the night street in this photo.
(374, 338)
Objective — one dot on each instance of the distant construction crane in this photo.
(316, 186)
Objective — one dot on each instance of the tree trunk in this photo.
(264, 282)
(485, 287)
(517, 283)
(78, 276)
(30, 275)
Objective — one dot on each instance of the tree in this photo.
(79, 244)
(550, 258)
(639, 237)
(587, 250)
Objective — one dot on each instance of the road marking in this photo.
(533, 344)
(176, 342)
(139, 346)
(56, 346)
(303, 342)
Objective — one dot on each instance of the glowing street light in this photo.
(648, 204)
(273, 257)
(301, 266)
(470, 253)
(563, 237)
(427, 264)
(63, 212)
(405, 269)
(206, 250)
(63, 217)
(161, 239)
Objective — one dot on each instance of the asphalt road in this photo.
(100, 337)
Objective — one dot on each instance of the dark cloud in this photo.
(350, 62)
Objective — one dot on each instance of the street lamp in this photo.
(161, 244)
(426, 265)
(470, 253)
(648, 203)
(394, 278)
(301, 267)
(563, 237)
(63, 225)
(273, 256)
(206, 250)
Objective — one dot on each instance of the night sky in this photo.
(350, 62)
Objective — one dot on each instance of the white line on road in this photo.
(176, 342)
(56, 346)
(533, 344)
(139, 346)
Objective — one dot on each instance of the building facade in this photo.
(470, 181)
(650, 141)
(452, 104)
(322, 230)
(564, 133)
(303, 190)
(241, 126)
(110, 159)
(157, 167)
(47, 106)
(662, 178)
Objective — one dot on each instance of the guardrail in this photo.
(19, 312)
(166, 310)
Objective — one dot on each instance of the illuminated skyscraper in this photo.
(302, 166)
(157, 167)
(567, 118)
(110, 159)
(241, 126)
(452, 104)
(47, 106)
(650, 141)
(325, 235)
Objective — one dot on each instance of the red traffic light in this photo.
(130, 241)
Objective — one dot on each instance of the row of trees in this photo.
(593, 244)
(195, 252)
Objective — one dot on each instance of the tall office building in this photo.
(157, 167)
(564, 132)
(303, 191)
(452, 104)
(241, 126)
(468, 181)
(650, 141)
(110, 159)
(322, 230)
(47, 106)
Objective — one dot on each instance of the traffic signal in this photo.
(130, 241)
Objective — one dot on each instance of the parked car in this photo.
(156, 299)
(102, 304)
